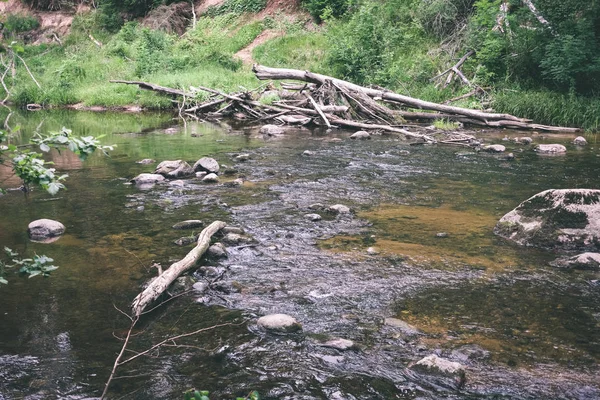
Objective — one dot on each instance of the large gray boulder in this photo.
(551, 149)
(442, 368)
(590, 261)
(43, 229)
(271, 130)
(174, 169)
(207, 164)
(565, 219)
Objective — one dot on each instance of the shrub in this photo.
(17, 23)
(237, 7)
(325, 9)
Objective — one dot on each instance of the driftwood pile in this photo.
(332, 102)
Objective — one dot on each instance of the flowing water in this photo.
(523, 329)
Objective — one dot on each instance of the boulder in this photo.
(235, 239)
(565, 219)
(580, 141)
(211, 178)
(589, 261)
(361, 135)
(494, 148)
(279, 323)
(372, 251)
(441, 367)
(174, 169)
(271, 130)
(242, 157)
(551, 149)
(186, 240)
(189, 224)
(232, 229)
(43, 229)
(404, 327)
(201, 174)
(207, 164)
(148, 179)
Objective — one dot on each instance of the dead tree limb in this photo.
(318, 109)
(162, 282)
(388, 128)
(264, 73)
(156, 88)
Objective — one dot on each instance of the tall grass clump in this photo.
(237, 7)
(302, 50)
(551, 108)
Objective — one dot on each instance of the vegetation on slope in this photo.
(541, 65)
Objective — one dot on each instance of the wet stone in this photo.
(217, 250)
(525, 140)
(580, 141)
(308, 153)
(361, 135)
(242, 157)
(145, 179)
(201, 174)
(200, 287)
(339, 209)
(174, 169)
(495, 148)
(189, 224)
(584, 261)
(234, 239)
(207, 164)
(146, 161)
(551, 149)
(441, 235)
(186, 240)
(372, 251)
(232, 229)
(402, 326)
(340, 344)
(444, 368)
(211, 178)
(271, 130)
(178, 183)
(313, 217)
(43, 229)
(470, 352)
(279, 323)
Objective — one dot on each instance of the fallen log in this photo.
(164, 280)
(388, 128)
(264, 73)
(156, 88)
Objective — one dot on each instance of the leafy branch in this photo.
(38, 265)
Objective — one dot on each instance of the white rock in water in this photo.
(145, 179)
(495, 148)
(361, 135)
(551, 149)
(279, 323)
(42, 229)
(313, 217)
(174, 169)
(340, 344)
(339, 209)
(441, 366)
(271, 130)
(580, 141)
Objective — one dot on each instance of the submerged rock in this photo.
(232, 229)
(189, 224)
(361, 135)
(551, 149)
(174, 169)
(234, 239)
(279, 323)
(207, 164)
(148, 179)
(340, 344)
(313, 217)
(495, 148)
(146, 161)
(43, 229)
(565, 219)
(404, 327)
(525, 140)
(339, 209)
(580, 141)
(186, 240)
(441, 367)
(271, 130)
(242, 157)
(590, 261)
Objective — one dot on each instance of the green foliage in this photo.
(17, 23)
(38, 265)
(301, 50)
(325, 9)
(443, 17)
(237, 7)
(445, 124)
(193, 394)
(562, 54)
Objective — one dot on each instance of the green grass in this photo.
(551, 108)
(300, 50)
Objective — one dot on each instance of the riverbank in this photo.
(217, 51)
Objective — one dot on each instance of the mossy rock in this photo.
(565, 219)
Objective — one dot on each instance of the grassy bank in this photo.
(383, 43)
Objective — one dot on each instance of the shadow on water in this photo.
(523, 329)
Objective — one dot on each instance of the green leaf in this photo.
(34, 273)
(44, 147)
(3, 281)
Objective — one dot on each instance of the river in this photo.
(523, 329)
